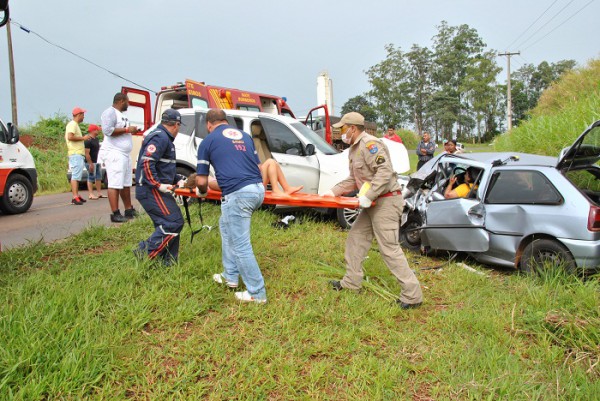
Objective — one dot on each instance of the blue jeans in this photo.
(96, 175)
(234, 224)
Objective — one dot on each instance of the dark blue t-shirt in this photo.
(231, 153)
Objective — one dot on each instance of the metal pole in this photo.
(508, 91)
(11, 65)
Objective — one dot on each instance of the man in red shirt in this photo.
(391, 135)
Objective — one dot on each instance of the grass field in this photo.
(85, 320)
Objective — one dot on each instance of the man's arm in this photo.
(88, 158)
(74, 138)
(431, 149)
(202, 183)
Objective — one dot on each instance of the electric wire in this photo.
(532, 24)
(561, 24)
(25, 29)
(547, 22)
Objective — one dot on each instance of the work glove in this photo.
(200, 194)
(328, 193)
(364, 202)
(164, 188)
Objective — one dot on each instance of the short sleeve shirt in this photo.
(74, 147)
(231, 153)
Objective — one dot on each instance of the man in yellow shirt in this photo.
(76, 152)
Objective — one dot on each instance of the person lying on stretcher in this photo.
(272, 174)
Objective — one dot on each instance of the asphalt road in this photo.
(53, 217)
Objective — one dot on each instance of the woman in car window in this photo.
(463, 189)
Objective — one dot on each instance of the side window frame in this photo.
(524, 187)
(275, 144)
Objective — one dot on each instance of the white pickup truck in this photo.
(305, 158)
(18, 176)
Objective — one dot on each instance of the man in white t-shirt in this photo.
(115, 154)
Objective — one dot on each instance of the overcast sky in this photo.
(276, 47)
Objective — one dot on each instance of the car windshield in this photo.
(315, 139)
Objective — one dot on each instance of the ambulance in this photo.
(18, 176)
(198, 95)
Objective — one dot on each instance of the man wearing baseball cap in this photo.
(371, 171)
(155, 176)
(92, 146)
(76, 152)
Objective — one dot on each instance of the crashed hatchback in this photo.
(520, 210)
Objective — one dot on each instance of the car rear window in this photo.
(588, 182)
(521, 187)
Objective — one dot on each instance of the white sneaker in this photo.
(246, 297)
(218, 278)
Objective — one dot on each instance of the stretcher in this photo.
(298, 199)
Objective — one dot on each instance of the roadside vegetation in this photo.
(46, 142)
(563, 112)
(84, 319)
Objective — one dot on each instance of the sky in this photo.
(275, 47)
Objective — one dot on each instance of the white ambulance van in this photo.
(18, 176)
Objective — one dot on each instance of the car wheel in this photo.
(410, 235)
(18, 195)
(543, 253)
(347, 217)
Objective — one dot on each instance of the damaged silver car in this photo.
(519, 210)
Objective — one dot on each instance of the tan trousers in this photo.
(381, 221)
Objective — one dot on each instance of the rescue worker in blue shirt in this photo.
(231, 153)
(155, 175)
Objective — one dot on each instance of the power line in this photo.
(532, 24)
(561, 24)
(547, 22)
(78, 56)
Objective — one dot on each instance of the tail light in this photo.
(594, 219)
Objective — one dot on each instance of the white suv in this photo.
(305, 158)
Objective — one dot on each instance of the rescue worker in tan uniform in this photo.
(370, 163)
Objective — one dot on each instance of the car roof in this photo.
(524, 159)
(241, 113)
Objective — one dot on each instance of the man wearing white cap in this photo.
(370, 164)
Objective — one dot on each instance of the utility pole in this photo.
(508, 92)
(11, 65)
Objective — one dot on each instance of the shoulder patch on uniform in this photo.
(372, 146)
(380, 159)
(151, 148)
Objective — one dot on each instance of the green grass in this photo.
(85, 320)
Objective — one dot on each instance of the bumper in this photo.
(586, 253)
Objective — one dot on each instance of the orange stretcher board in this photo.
(299, 199)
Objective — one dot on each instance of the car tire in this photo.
(18, 195)
(540, 252)
(347, 217)
(410, 235)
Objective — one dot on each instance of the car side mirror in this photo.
(310, 149)
(13, 134)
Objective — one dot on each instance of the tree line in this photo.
(450, 89)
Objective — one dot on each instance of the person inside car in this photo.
(462, 190)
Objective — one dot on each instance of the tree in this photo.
(528, 83)
(420, 86)
(390, 88)
(361, 105)
(455, 47)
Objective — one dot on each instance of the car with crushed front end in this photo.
(522, 210)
